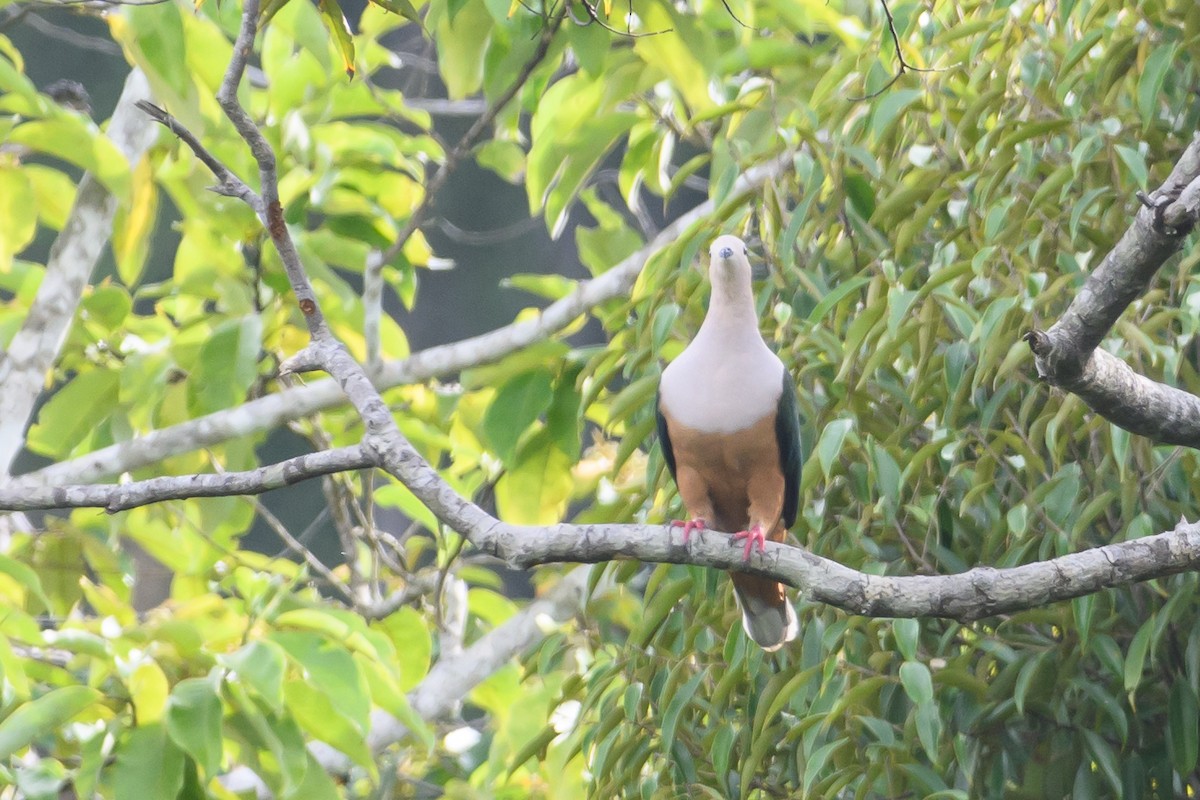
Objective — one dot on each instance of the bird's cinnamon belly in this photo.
(730, 468)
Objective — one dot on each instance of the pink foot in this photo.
(689, 525)
(753, 536)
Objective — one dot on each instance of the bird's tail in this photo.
(767, 615)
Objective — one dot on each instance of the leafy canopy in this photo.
(920, 225)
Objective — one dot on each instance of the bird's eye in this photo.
(745, 251)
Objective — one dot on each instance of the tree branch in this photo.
(31, 353)
(974, 594)
(1111, 388)
(270, 412)
(19, 495)
(230, 184)
(1067, 356)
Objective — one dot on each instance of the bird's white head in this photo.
(728, 261)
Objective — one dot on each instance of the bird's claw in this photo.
(753, 536)
(689, 525)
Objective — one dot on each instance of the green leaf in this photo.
(1135, 657)
(259, 666)
(1105, 758)
(148, 690)
(517, 405)
(54, 192)
(18, 214)
(1183, 727)
(887, 474)
(917, 682)
(25, 576)
(888, 107)
(159, 42)
(331, 668)
(837, 295)
(504, 158)
(1150, 83)
(134, 225)
(74, 412)
(679, 702)
(387, 695)
(335, 21)
(315, 710)
(460, 39)
(409, 632)
(69, 138)
(42, 717)
(829, 447)
(907, 633)
(860, 194)
(317, 783)
(226, 366)
(148, 764)
(1135, 162)
(194, 722)
(535, 491)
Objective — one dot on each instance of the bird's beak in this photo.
(725, 252)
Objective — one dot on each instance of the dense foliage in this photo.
(920, 225)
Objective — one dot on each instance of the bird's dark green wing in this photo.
(791, 460)
(664, 436)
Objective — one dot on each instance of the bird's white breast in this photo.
(722, 386)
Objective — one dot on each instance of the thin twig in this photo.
(230, 184)
(904, 65)
(594, 16)
(310, 559)
(20, 496)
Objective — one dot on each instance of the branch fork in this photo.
(1068, 356)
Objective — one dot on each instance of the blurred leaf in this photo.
(42, 717)
(259, 665)
(73, 412)
(148, 764)
(830, 444)
(194, 722)
(536, 489)
(517, 405)
(148, 689)
(1183, 727)
(1150, 84)
(226, 366)
(18, 213)
(335, 21)
(329, 666)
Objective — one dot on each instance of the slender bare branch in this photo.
(230, 184)
(297, 548)
(20, 495)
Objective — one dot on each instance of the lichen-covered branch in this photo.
(18, 495)
(1067, 356)
(1136, 403)
(31, 353)
(970, 595)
